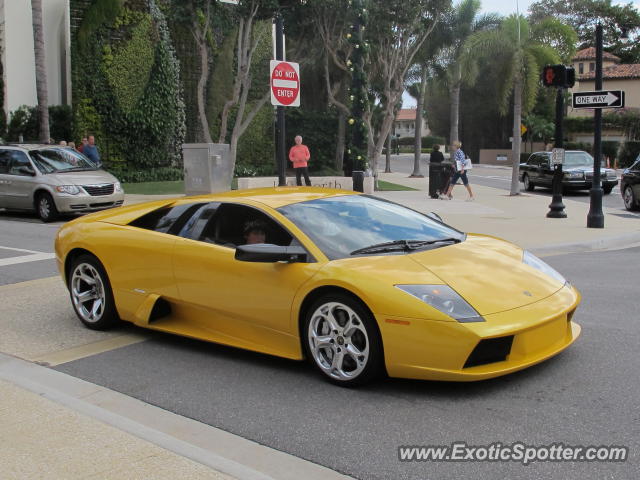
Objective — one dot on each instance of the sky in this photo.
(504, 7)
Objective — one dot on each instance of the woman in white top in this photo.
(459, 158)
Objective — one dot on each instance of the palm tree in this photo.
(518, 56)
(41, 72)
(462, 22)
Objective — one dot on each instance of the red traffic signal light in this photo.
(558, 76)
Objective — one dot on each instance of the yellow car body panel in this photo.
(259, 306)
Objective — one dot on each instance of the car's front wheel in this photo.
(629, 198)
(91, 294)
(342, 340)
(528, 185)
(46, 207)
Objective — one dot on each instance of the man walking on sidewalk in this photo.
(299, 155)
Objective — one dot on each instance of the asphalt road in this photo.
(588, 395)
(500, 177)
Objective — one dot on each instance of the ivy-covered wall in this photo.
(127, 89)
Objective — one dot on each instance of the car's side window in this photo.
(5, 160)
(18, 160)
(227, 227)
(534, 160)
(169, 220)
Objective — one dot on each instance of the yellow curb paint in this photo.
(88, 350)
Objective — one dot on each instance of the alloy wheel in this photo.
(338, 341)
(88, 293)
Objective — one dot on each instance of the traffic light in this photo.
(558, 76)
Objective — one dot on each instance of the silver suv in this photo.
(53, 180)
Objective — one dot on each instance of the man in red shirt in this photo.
(299, 155)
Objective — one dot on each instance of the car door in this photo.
(247, 304)
(18, 183)
(632, 178)
(5, 159)
(545, 171)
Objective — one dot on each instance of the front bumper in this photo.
(586, 184)
(436, 350)
(83, 203)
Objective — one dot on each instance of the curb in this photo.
(220, 450)
(607, 243)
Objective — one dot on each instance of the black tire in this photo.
(629, 199)
(46, 207)
(528, 185)
(362, 358)
(88, 276)
(607, 190)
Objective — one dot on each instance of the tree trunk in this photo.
(201, 38)
(388, 152)
(454, 112)
(41, 72)
(417, 154)
(342, 129)
(515, 149)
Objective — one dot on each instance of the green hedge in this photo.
(24, 121)
(126, 175)
(427, 142)
(628, 154)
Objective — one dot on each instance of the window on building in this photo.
(581, 68)
(592, 66)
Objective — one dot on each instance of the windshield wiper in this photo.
(402, 245)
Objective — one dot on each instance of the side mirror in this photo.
(269, 253)
(24, 170)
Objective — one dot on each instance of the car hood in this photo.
(93, 177)
(586, 169)
(488, 273)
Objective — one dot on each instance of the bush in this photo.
(628, 153)
(610, 149)
(431, 140)
(126, 175)
(61, 122)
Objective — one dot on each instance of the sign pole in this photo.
(595, 217)
(556, 207)
(281, 161)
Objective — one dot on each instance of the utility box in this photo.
(207, 168)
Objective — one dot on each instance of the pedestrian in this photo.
(299, 155)
(90, 150)
(436, 156)
(83, 142)
(72, 145)
(461, 164)
(63, 143)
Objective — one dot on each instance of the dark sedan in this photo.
(630, 186)
(577, 172)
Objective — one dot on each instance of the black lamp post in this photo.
(595, 217)
(556, 207)
(357, 147)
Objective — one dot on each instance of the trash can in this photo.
(438, 176)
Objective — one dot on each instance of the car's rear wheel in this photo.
(342, 340)
(607, 190)
(46, 207)
(528, 185)
(91, 294)
(629, 198)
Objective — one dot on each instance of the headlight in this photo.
(70, 189)
(117, 187)
(445, 299)
(574, 174)
(533, 261)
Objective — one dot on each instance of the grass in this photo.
(177, 187)
(393, 187)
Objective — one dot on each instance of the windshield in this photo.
(341, 226)
(578, 159)
(61, 160)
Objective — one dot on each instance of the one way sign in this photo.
(602, 99)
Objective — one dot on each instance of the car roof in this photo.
(276, 197)
(566, 151)
(30, 146)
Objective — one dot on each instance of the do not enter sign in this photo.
(285, 83)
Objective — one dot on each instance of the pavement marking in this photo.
(30, 283)
(34, 257)
(88, 350)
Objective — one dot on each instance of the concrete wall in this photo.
(18, 56)
(498, 156)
